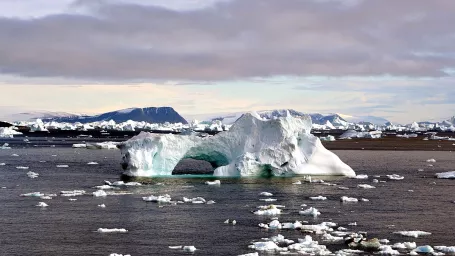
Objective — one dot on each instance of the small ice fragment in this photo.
(42, 204)
(32, 175)
(250, 254)
(352, 224)
(445, 175)
(22, 167)
(234, 222)
(424, 249)
(415, 233)
(268, 210)
(361, 177)
(158, 199)
(116, 254)
(420, 170)
(62, 166)
(297, 183)
(375, 181)
(112, 230)
(387, 250)
(14, 155)
(104, 187)
(226, 221)
(268, 199)
(2, 164)
(310, 211)
(46, 197)
(431, 160)
(365, 186)
(72, 199)
(215, 182)
(99, 193)
(365, 200)
(210, 202)
(102, 205)
(72, 193)
(405, 245)
(318, 198)
(189, 248)
(445, 249)
(176, 247)
(343, 188)
(265, 194)
(92, 163)
(395, 177)
(345, 199)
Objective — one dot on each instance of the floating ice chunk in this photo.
(387, 250)
(420, 170)
(196, 200)
(445, 249)
(365, 186)
(395, 177)
(297, 182)
(176, 247)
(268, 199)
(14, 155)
(46, 197)
(332, 239)
(72, 199)
(265, 194)
(445, 175)
(415, 233)
(42, 204)
(310, 211)
(62, 166)
(375, 181)
(22, 167)
(343, 188)
(32, 175)
(2, 164)
(352, 224)
(275, 224)
(112, 230)
(189, 248)
(102, 205)
(234, 222)
(318, 198)
(431, 160)
(79, 145)
(72, 193)
(268, 210)
(215, 182)
(33, 194)
(365, 200)
(250, 254)
(105, 187)
(92, 163)
(264, 246)
(210, 202)
(405, 245)
(99, 193)
(308, 246)
(361, 177)
(158, 199)
(424, 249)
(116, 254)
(346, 199)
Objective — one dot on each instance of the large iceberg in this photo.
(251, 147)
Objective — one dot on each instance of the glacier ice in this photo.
(251, 147)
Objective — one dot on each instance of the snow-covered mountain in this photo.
(366, 119)
(150, 115)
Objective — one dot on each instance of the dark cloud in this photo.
(234, 40)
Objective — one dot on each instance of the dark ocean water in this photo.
(68, 227)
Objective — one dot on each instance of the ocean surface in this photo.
(418, 202)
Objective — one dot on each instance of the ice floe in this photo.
(268, 210)
(22, 167)
(432, 160)
(71, 193)
(215, 182)
(92, 163)
(395, 177)
(346, 199)
(32, 175)
(318, 198)
(265, 194)
(445, 175)
(99, 193)
(42, 204)
(102, 205)
(310, 211)
(158, 199)
(112, 230)
(365, 186)
(415, 233)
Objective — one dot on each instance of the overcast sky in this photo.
(394, 59)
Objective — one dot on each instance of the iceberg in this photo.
(251, 147)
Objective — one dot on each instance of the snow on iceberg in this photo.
(252, 147)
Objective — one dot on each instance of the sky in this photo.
(387, 58)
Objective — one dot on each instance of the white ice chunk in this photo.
(361, 177)
(189, 248)
(445, 249)
(102, 205)
(265, 194)
(92, 163)
(318, 198)
(346, 199)
(445, 175)
(365, 186)
(395, 177)
(268, 210)
(424, 249)
(215, 182)
(310, 211)
(22, 167)
(99, 193)
(42, 204)
(62, 166)
(405, 245)
(431, 160)
(32, 175)
(112, 230)
(158, 199)
(387, 250)
(415, 233)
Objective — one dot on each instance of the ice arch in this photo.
(281, 147)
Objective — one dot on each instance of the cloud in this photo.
(238, 39)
